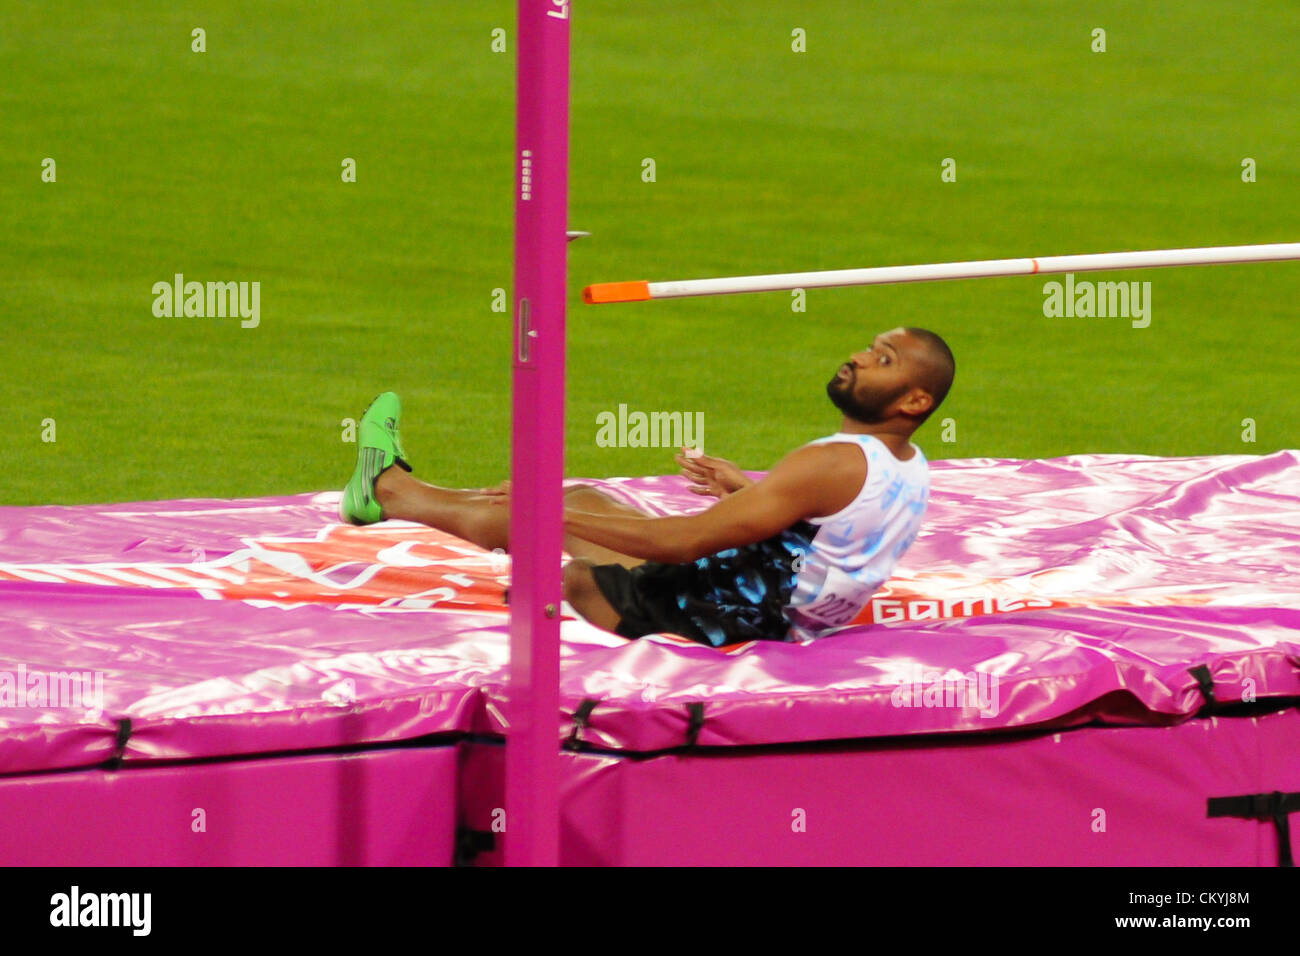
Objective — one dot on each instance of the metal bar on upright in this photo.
(537, 432)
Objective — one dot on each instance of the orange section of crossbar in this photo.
(616, 292)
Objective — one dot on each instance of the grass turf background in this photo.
(225, 165)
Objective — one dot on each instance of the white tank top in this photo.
(854, 550)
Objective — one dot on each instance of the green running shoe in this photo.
(379, 445)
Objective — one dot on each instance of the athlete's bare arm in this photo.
(810, 482)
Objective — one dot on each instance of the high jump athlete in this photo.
(790, 557)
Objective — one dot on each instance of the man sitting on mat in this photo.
(786, 558)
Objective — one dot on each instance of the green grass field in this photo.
(225, 165)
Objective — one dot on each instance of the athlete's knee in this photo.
(578, 581)
(594, 499)
(583, 593)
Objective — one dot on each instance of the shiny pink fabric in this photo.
(1148, 568)
(379, 808)
(1093, 796)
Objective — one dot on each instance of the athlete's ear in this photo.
(917, 402)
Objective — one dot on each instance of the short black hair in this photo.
(941, 367)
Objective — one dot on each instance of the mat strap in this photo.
(1262, 806)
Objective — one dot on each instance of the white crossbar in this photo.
(979, 269)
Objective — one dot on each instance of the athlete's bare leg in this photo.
(484, 518)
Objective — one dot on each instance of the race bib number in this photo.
(840, 600)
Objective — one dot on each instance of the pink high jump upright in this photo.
(537, 437)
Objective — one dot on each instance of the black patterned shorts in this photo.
(733, 596)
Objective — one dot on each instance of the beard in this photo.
(869, 409)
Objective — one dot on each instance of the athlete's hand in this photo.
(715, 477)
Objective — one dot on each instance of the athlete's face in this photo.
(869, 386)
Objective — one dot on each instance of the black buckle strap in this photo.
(1262, 806)
(470, 843)
(580, 718)
(696, 710)
(1206, 684)
(120, 742)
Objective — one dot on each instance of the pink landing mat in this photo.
(1126, 590)
(382, 807)
(1091, 796)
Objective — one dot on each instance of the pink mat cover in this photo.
(379, 808)
(1153, 566)
(1121, 590)
(1093, 796)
